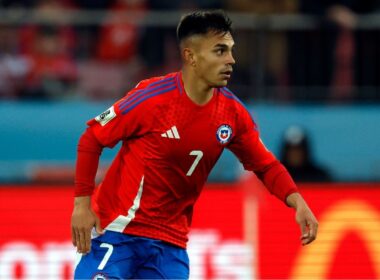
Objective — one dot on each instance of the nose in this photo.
(231, 60)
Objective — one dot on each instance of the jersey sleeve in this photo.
(125, 119)
(247, 145)
(251, 151)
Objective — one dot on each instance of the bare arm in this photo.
(304, 217)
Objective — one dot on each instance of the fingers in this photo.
(83, 240)
(313, 229)
(87, 241)
(73, 237)
(309, 231)
(308, 224)
(304, 232)
(82, 222)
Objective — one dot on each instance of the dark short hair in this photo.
(202, 22)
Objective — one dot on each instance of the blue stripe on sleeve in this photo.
(226, 94)
(147, 96)
(179, 85)
(156, 83)
(229, 94)
(143, 94)
(137, 94)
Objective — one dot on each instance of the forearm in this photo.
(278, 180)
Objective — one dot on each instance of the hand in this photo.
(308, 224)
(83, 220)
(304, 217)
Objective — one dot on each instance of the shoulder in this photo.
(231, 99)
(156, 82)
(148, 92)
(243, 113)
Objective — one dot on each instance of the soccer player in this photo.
(173, 129)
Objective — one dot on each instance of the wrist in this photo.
(82, 201)
(295, 200)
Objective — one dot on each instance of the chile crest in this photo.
(224, 133)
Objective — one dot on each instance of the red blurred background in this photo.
(239, 231)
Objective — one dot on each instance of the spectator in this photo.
(13, 73)
(53, 72)
(366, 59)
(158, 43)
(334, 58)
(49, 48)
(263, 57)
(297, 157)
(88, 34)
(13, 67)
(118, 40)
(49, 11)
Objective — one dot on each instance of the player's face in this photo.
(214, 58)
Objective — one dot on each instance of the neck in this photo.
(196, 88)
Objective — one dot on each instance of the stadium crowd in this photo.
(334, 62)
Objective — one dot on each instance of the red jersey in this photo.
(169, 146)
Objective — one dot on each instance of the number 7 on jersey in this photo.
(198, 155)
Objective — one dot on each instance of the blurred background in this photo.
(309, 72)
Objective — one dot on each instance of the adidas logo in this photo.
(171, 133)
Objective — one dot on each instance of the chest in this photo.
(179, 130)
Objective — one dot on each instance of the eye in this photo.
(219, 51)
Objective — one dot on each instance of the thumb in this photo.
(304, 230)
(98, 227)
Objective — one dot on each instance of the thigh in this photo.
(166, 262)
(108, 259)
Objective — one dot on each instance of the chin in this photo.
(223, 83)
(220, 84)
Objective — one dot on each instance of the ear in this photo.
(188, 56)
